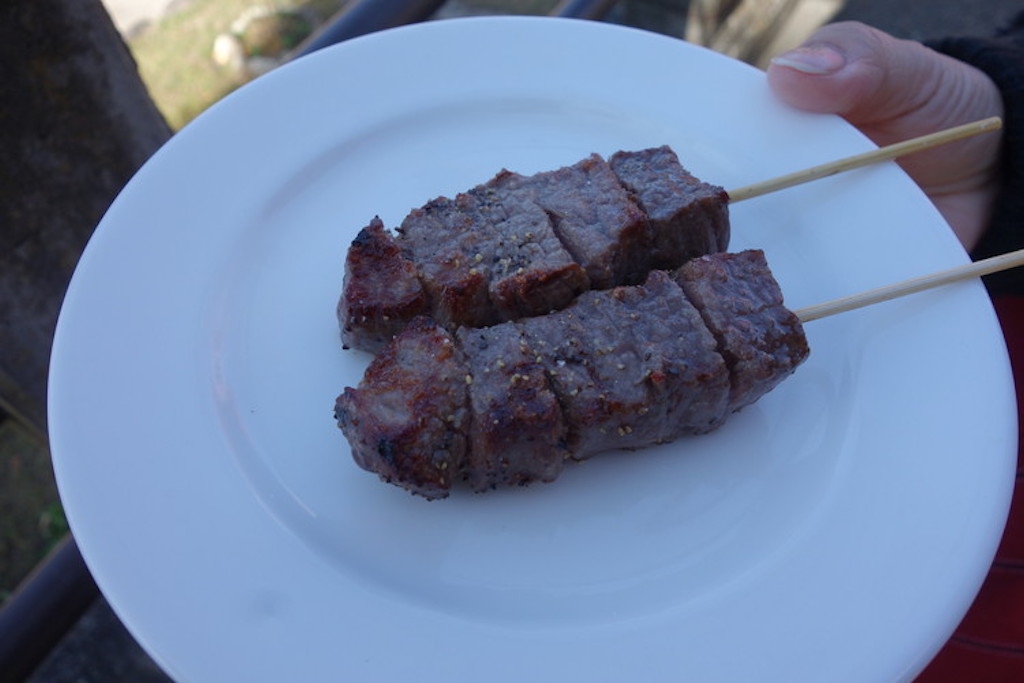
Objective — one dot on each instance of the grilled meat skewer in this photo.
(526, 245)
(520, 246)
(627, 367)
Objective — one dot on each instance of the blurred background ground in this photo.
(173, 42)
(173, 39)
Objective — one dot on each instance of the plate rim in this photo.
(67, 486)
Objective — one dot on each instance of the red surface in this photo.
(988, 645)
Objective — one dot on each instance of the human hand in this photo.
(893, 90)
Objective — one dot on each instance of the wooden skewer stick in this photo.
(918, 284)
(881, 154)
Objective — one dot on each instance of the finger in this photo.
(893, 90)
(856, 71)
(889, 88)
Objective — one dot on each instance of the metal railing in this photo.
(367, 16)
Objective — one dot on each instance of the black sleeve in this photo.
(1002, 59)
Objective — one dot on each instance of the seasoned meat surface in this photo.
(688, 217)
(620, 368)
(517, 433)
(520, 246)
(487, 256)
(632, 366)
(761, 340)
(441, 238)
(594, 217)
(677, 356)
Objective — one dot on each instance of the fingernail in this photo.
(817, 60)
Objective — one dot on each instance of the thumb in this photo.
(877, 82)
(894, 90)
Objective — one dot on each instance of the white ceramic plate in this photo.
(836, 530)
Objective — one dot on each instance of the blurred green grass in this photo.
(174, 55)
(175, 61)
(31, 518)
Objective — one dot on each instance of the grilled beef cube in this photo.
(688, 217)
(595, 218)
(516, 433)
(567, 346)
(762, 341)
(381, 291)
(485, 257)
(407, 421)
(678, 356)
(443, 239)
(631, 366)
(531, 273)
